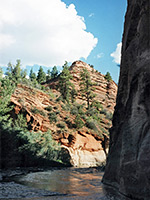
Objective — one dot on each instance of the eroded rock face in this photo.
(86, 148)
(86, 151)
(128, 165)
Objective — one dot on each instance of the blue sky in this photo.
(105, 19)
(50, 32)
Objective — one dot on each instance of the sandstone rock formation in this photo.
(128, 164)
(105, 91)
(85, 147)
(86, 151)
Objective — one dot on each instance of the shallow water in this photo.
(73, 182)
(67, 181)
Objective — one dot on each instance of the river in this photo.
(65, 183)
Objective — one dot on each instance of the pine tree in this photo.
(54, 72)
(32, 75)
(65, 86)
(48, 76)
(6, 89)
(108, 77)
(73, 93)
(41, 77)
(15, 73)
(23, 74)
(86, 87)
(78, 122)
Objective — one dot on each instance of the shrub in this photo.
(52, 117)
(78, 122)
(61, 125)
(103, 111)
(57, 112)
(20, 122)
(41, 145)
(69, 123)
(59, 99)
(37, 111)
(55, 107)
(91, 124)
(49, 108)
(65, 107)
(97, 105)
(108, 77)
(91, 111)
(74, 111)
(109, 115)
(67, 117)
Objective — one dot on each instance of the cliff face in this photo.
(128, 164)
(85, 147)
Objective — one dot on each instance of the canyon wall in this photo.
(128, 164)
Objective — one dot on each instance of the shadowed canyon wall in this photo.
(128, 164)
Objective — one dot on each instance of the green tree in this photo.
(41, 77)
(48, 76)
(65, 86)
(41, 145)
(32, 75)
(108, 77)
(6, 89)
(9, 71)
(1, 73)
(14, 72)
(23, 73)
(20, 122)
(86, 87)
(78, 122)
(73, 93)
(54, 72)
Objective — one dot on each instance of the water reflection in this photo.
(67, 181)
(79, 182)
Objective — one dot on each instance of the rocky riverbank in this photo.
(65, 183)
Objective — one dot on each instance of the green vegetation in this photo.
(48, 76)
(63, 111)
(108, 77)
(41, 145)
(65, 86)
(52, 117)
(20, 122)
(6, 90)
(61, 125)
(49, 108)
(86, 87)
(78, 122)
(37, 111)
(91, 124)
(32, 75)
(54, 72)
(14, 72)
(41, 77)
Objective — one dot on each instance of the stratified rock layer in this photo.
(128, 165)
(84, 147)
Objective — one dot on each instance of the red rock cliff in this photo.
(86, 147)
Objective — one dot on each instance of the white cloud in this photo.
(117, 53)
(100, 55)
(44, 32)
